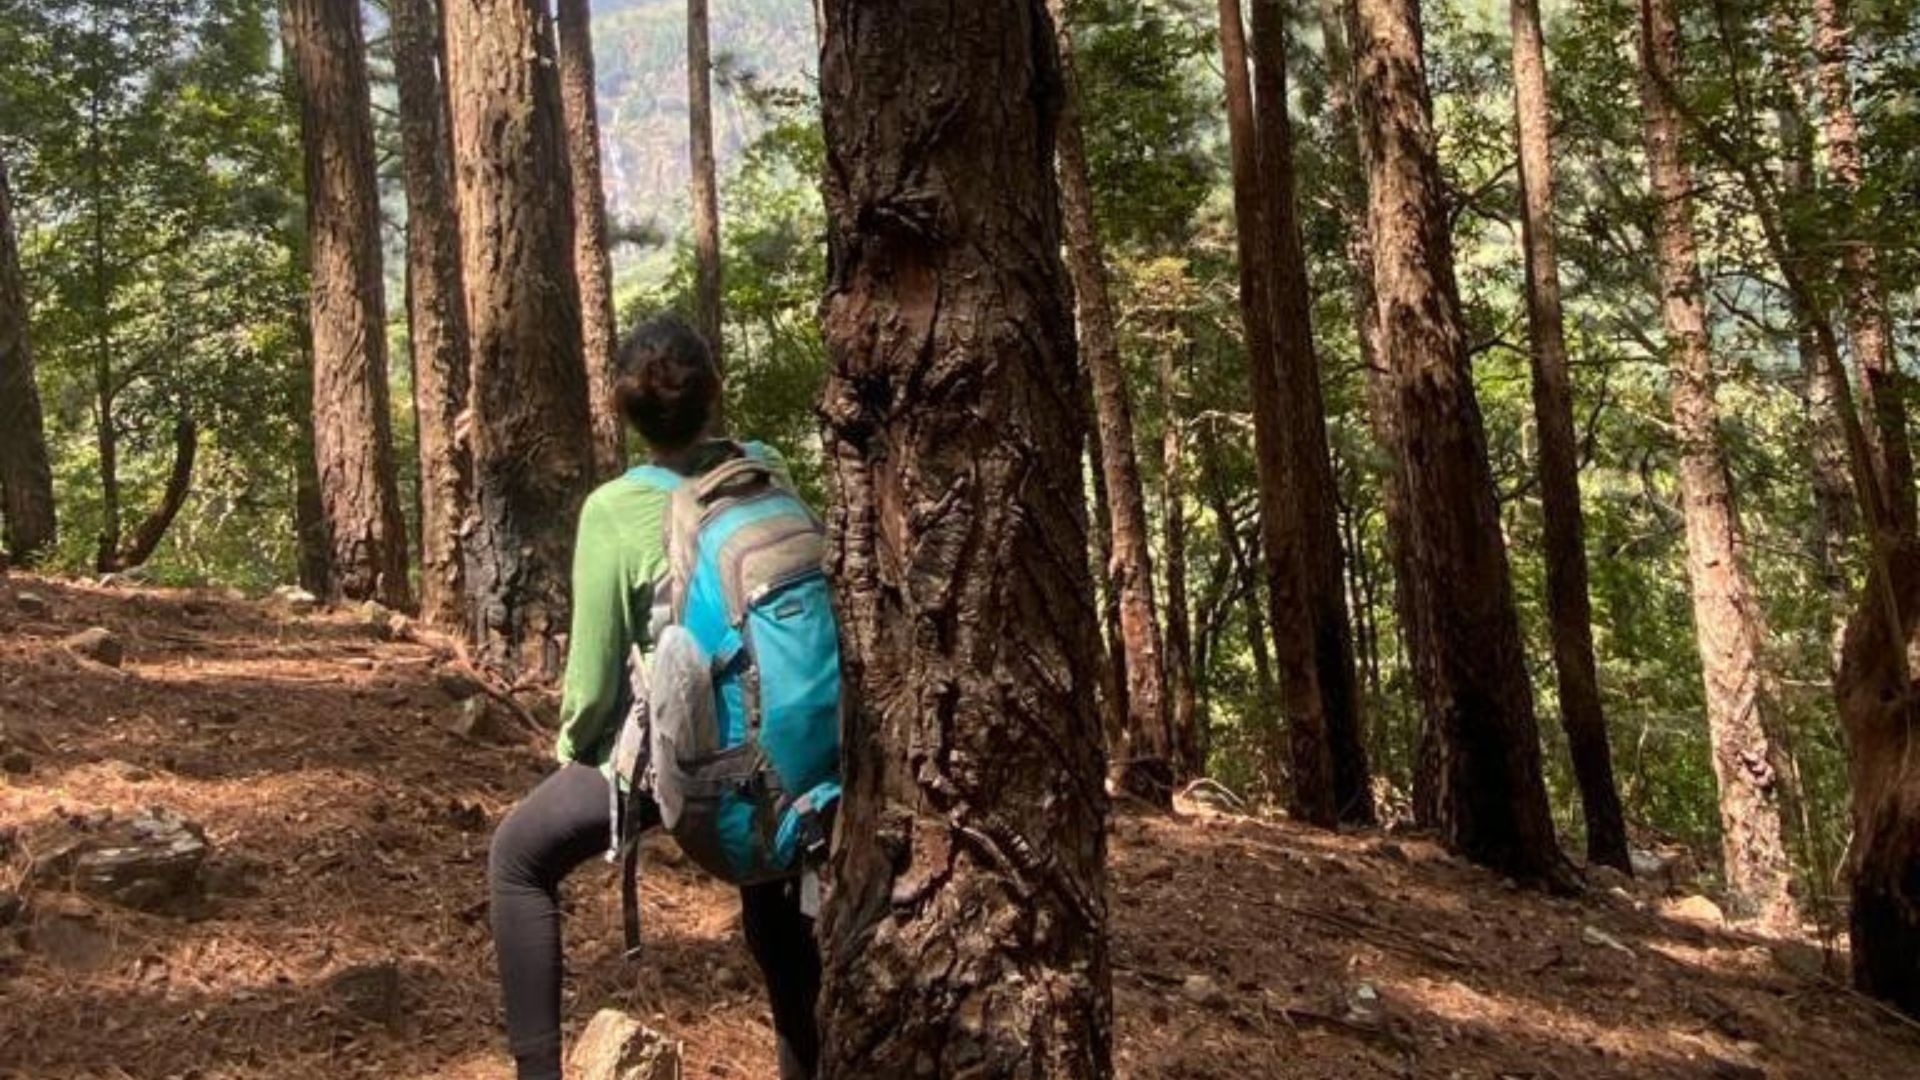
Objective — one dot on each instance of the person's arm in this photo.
(601, 634)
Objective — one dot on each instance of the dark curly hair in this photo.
(667, 384)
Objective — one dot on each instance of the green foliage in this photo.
(154, 163)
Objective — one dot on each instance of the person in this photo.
(668, 388)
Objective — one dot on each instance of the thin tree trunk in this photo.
(532, 449)
(1271, 736)
(436, 310)
(1112, 688)
(153, 528)
(973, 825)
(1491, 800)
(1289, 576)
(706, 187)
(1727, 620)
(26, 476)
(1569, 606)
(1866, 298)
(1304, 408)
(1149, 769)
(1189, 726)
(353, 441)
(592, 260)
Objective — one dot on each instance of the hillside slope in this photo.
(343, 927)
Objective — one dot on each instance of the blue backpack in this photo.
(735, 729)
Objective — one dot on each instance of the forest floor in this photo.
(343, 927)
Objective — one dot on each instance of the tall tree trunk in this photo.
(1569, 607)
(313, 553)
(353, 441)
(974, 819)
(1335, 34)
(592, 260)
(1866, 298)
(532, 449)
(1150, 759)
(706, 186)
(1727, 619)
(1189, 727)
(1310, 458)
(1112, 688)
(1289, 577)
(436, 309)
(1491, 801)
(26, 476)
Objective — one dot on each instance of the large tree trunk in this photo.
(1310, 459)
(436, 309)
(1866, 300)
(966, 931)
(1569, 607)
(1189, 726)
(532, 450)
(26, 477)
(592, 261)
(1491, 802)
(1149, 754)
(1727, 618)
(1112, 687)
(1381, 421)
(1289, 578)
(352, 426)
(706, 185)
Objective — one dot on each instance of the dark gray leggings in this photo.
(562, 824)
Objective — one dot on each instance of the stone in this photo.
(150, 863)
(97, 644)
(615, 1046)
(32, 605)
(16, 762)
(1606, 878)
(293, 600)
(1599, 938)
(1695, 909)
(477, 719)
(457, 685)
(1201, 990)
(369, 991)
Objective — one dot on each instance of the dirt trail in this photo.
(345, 933)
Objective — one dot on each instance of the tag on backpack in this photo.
(810, 894)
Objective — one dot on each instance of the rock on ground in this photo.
(97, 644)
(615, 1046)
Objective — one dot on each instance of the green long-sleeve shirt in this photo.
(619, 552)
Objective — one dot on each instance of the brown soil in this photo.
(351, 830)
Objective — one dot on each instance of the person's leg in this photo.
(562, 824)
(781, 939)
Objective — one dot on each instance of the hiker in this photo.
(669, 388)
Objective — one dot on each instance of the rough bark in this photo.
(1189, 727)
(1335, 34)
(26, 476)
(352, 427)
(1289, 579)
(706, 187)
(1569, 606)
(532, 449)
(1310, 458)
(1868, 323)
(592, 258)
(1491, 802)
(1148, 762)
(973, 827)
(1879, 703)
(436, 309)
(1727, 617)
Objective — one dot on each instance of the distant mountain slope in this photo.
(640, 60)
